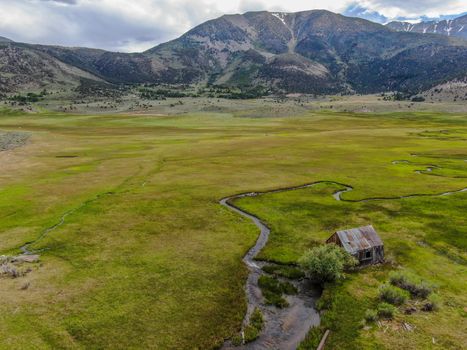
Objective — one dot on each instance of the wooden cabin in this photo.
(363, 243)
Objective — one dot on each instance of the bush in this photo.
(371, 315)
(393, 295)
(386, 310)
(422, 290)
(433, 303)
(326, 263)
(411, 283)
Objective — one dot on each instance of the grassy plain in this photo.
(147, 258)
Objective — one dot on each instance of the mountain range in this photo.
(313, 51)
(452, 27)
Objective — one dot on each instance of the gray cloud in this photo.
(69, 2)
(393, 8)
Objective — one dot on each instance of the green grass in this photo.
(416, 232)
(149, 259)
(273, 290)
(290, 272)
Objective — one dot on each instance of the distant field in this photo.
(293, 105)
(147, 258)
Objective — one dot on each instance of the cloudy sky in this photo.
(136, 25)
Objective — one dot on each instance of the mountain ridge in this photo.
(314, 51)
(450, 27)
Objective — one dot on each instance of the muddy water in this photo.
(284, 329)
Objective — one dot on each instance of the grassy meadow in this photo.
(141, 255)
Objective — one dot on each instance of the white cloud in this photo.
(135, 25)
(415, 8)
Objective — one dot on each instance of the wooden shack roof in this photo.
(357, 239)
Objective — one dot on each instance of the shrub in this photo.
(326, 263)
(411, 283)
(393, 295)
(371, 315)
(11, 270)
(386, 310)
(433, 303)
(422, 290)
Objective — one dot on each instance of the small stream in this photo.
(285, 329)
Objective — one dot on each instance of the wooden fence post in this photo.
(323, 340)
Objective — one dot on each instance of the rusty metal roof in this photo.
(357, 239)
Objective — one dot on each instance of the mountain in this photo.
(312, 51)
(5, 40)
(451, 27)
(23, 67)
(110, 66)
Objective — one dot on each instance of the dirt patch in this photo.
(11, 140)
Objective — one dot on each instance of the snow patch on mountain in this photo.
(280, 16)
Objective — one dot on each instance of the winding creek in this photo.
(285, 328)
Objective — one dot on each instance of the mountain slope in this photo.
(110, 66)
(5, 40)
(454, 90)
(456, 27)
(257, 47)
(312, 51)
(24, 68)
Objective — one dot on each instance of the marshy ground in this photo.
(147, 258)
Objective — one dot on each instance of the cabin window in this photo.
(367, 255)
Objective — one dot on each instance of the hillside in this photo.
(313, 52)
(456, 27)
(454, 90)
(23, 67)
